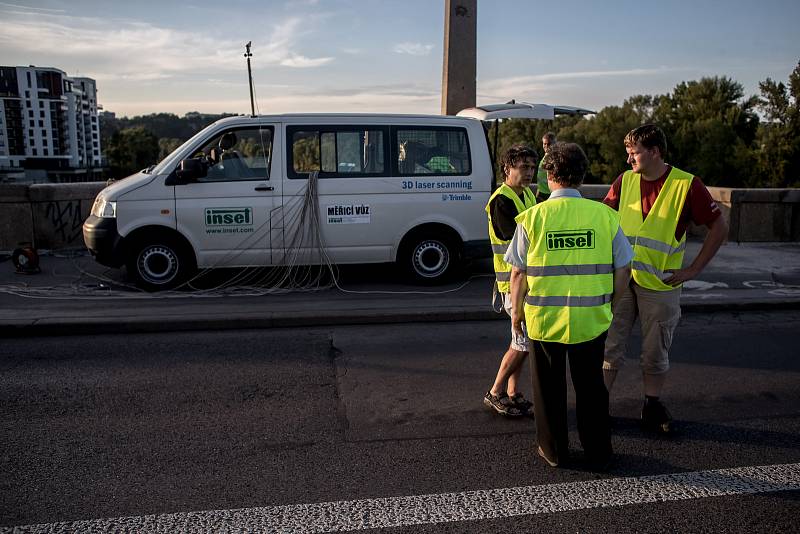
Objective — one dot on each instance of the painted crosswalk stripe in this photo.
(448, 507)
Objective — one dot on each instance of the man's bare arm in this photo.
(717, 231)
(519, 288)
(622, 277)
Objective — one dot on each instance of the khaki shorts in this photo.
(521, 343)
(659, 313)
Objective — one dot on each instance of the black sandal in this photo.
(523, 405)
(502, 404)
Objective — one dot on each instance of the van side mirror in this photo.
(190, 170)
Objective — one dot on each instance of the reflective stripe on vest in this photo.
(656, 245)
(570, 269)
(573, 302)
(655, 248)
(502, 269)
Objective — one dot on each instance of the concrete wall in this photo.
(760, 214)
(48, 215)
(51, 215)
(753, 214)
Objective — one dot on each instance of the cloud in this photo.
(280, 49)
(302, 62)
(413, 49)
(519, 86)
(394, 98)
(112, 49)
(29, 9)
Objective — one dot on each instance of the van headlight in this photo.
(104, 209)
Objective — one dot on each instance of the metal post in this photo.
(248, 55)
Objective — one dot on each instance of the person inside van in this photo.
(227, 163)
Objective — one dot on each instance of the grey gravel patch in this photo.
(387, 512)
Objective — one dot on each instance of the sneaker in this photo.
(523, 405)
(656, 418)
(502, 404)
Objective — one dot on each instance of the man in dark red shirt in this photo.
(654, 291)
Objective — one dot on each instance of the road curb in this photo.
(305, 319)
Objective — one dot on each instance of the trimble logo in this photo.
(570, 239)
(228, 216)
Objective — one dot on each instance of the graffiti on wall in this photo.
(66, 219)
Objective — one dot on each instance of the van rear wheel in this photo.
(430, 259)
(158, 264)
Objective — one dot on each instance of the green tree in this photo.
(710, 128)
(601, 136)
(130, 150)
(166, 145)
(779, 136)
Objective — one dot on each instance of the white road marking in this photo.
(448, 507)
(702, 285)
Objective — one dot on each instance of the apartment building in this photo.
(49, 127)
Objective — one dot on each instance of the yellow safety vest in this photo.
(502, 269)
(655, 248)
(570, 269)
(541, 181)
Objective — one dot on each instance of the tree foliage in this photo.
(169, 132)
(710, 129)
(713, 130)
(130, 150)
(778, 138)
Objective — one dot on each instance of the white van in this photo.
(303, 189)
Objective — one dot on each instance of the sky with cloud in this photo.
(153, 56)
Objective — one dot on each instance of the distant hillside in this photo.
(162, 125)
(131, 144)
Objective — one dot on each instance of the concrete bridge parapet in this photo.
(51, 215)
(48, 215)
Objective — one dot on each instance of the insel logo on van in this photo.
(570, 239)
(229, 216)
(348, 214)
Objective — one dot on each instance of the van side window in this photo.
(238, 154)
(432, 151)
(337, 151)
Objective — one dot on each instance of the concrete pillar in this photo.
(460, 55)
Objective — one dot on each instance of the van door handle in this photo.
(264, 188)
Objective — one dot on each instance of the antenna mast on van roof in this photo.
(248, 55)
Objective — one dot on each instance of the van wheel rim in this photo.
(431, 259)
(158, 264)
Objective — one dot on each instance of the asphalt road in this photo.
(134, 425)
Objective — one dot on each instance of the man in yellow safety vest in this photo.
(570, 262)
(656, 203)
(509, 200)
(542, 189)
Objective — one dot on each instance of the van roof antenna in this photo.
(248, 55)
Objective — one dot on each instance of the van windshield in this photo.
(166, 164)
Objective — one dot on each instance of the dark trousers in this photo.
(550, 397)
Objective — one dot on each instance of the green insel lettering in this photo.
(228, 216)
(570, 239)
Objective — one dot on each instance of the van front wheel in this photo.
(430, 259)
(159, 264)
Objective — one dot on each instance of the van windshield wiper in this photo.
(148, 169)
